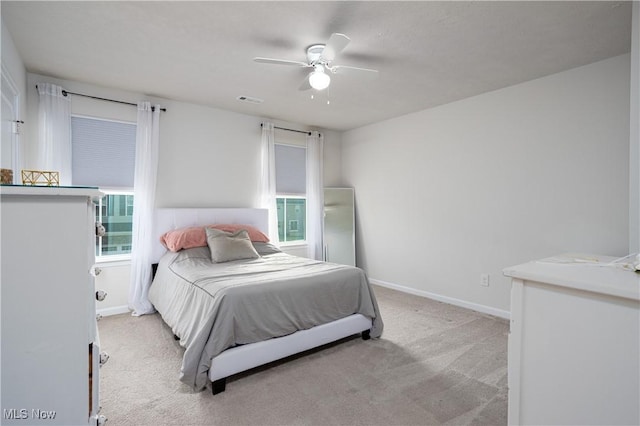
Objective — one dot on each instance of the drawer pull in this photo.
(104, 357)
(100, 231)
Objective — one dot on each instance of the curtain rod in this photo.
(66, 92)
(291, 130)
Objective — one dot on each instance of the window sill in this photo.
(293, 244)
(107, 263)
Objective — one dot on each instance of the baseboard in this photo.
(450, 300)
(115, 310)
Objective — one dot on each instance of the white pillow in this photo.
(226, 246)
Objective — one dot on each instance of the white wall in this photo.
(208, 157)
(332, 158)
(477, 185)
(211, 157)
(634, 134)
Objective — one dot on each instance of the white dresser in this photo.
(574, 345)
(50, 345)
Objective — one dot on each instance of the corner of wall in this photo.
(13, 64)
(634, 134)
(13, 67)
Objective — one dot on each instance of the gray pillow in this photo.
(225, 246)
(265, 248)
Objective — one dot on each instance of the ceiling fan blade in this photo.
(305, 84)
(281, 62)
(337, 42)
(343, 69)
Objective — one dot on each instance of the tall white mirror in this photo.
(339, 226)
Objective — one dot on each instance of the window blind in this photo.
(103, 152)
(291, 164)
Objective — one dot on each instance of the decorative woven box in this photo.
(6, 176)
(40, 177)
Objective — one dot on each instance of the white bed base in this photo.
(245, 357)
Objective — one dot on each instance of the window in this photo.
(103, 155)
(291, 190)
(291, 219)
(115, 212)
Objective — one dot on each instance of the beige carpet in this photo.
(435, 364)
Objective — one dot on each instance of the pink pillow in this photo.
(184, 238)
(195, 236)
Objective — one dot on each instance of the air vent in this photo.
(249, 99)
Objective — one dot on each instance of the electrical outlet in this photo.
(484, 280)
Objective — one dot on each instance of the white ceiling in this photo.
(428, 53)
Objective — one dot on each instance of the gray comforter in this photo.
(214, 306)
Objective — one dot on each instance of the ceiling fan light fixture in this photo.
(320, 57)
(318, 79)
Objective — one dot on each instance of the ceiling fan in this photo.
(320, 57)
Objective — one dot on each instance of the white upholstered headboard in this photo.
(175, 218)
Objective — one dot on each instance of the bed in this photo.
(237, 314)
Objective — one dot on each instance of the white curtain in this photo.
(54, 140)
(144, 187)
(268, 179)
(315, 195)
